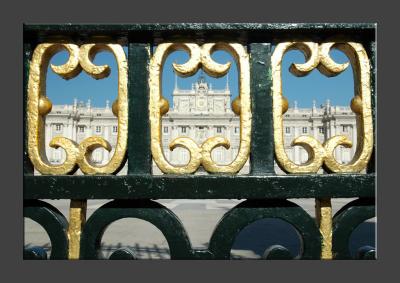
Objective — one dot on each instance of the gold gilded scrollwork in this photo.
(317, 56)
(200, 57)
(80, 58)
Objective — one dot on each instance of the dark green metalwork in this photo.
(277, 252)
(366, 253)
(262, 140)
(372, 54)
(123, 254)
(201, 187)
(264, 191)
(247, 212)
(55, 224)
(161, 217)
(139, 155)
(346, 221)
(242, 32)
(37, 253)
(28, 167)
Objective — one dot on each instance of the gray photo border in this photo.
(15, 269)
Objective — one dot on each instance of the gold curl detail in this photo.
(192, 65)
(317, 56)
(80, 58)
(86, 56)
(195, 155)
(200, 57)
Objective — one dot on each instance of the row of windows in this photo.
(321, 130)
(304, 115)
(183, 129)
(98, 129)
(98, 114)
(81, 129)
(304, 130)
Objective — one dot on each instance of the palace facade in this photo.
(199, 113)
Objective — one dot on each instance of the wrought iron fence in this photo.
(139, 108)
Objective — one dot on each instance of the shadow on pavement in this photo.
(250, 243)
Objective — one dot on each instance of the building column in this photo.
(48, 137)
(354, 138)
(106, 156)
(64, 129)
(228, 135)
(89, 131)
(332, 128)
(339, 155)
(296, 148)
(52, 150)
(70, 129)
(74, 129)
(315, 130)
(192, 132)
(173, 132)
(65, 134)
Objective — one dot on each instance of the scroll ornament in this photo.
(77, 155)
(317, 56)
(200, 57)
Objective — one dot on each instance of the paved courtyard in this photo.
(199, 218)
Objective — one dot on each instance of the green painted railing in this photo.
(265, 194)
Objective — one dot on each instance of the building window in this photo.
(219, 156)
(304, 130)
(58, 128)
(287, 130)
(236, 130)
(97, 156)
(98, 129)
(219, 130)
(81, 129)
(184, 157)
(115, 129)
(183, 130)
(57, 155)
(165, 130)
(345, 128)
(98, 114)
(321, 130)
(201, 128)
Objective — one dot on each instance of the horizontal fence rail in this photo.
(257, 50)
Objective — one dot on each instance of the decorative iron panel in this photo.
(258, 50)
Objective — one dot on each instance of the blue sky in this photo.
(338, 89)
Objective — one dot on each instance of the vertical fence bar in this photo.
(323, 211)
(372, 54)
(28, 167)
(77, 219)
(262, 141)
(139, 155)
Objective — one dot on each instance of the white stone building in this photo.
(322, 123)
(198, 113)
(77, 122)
